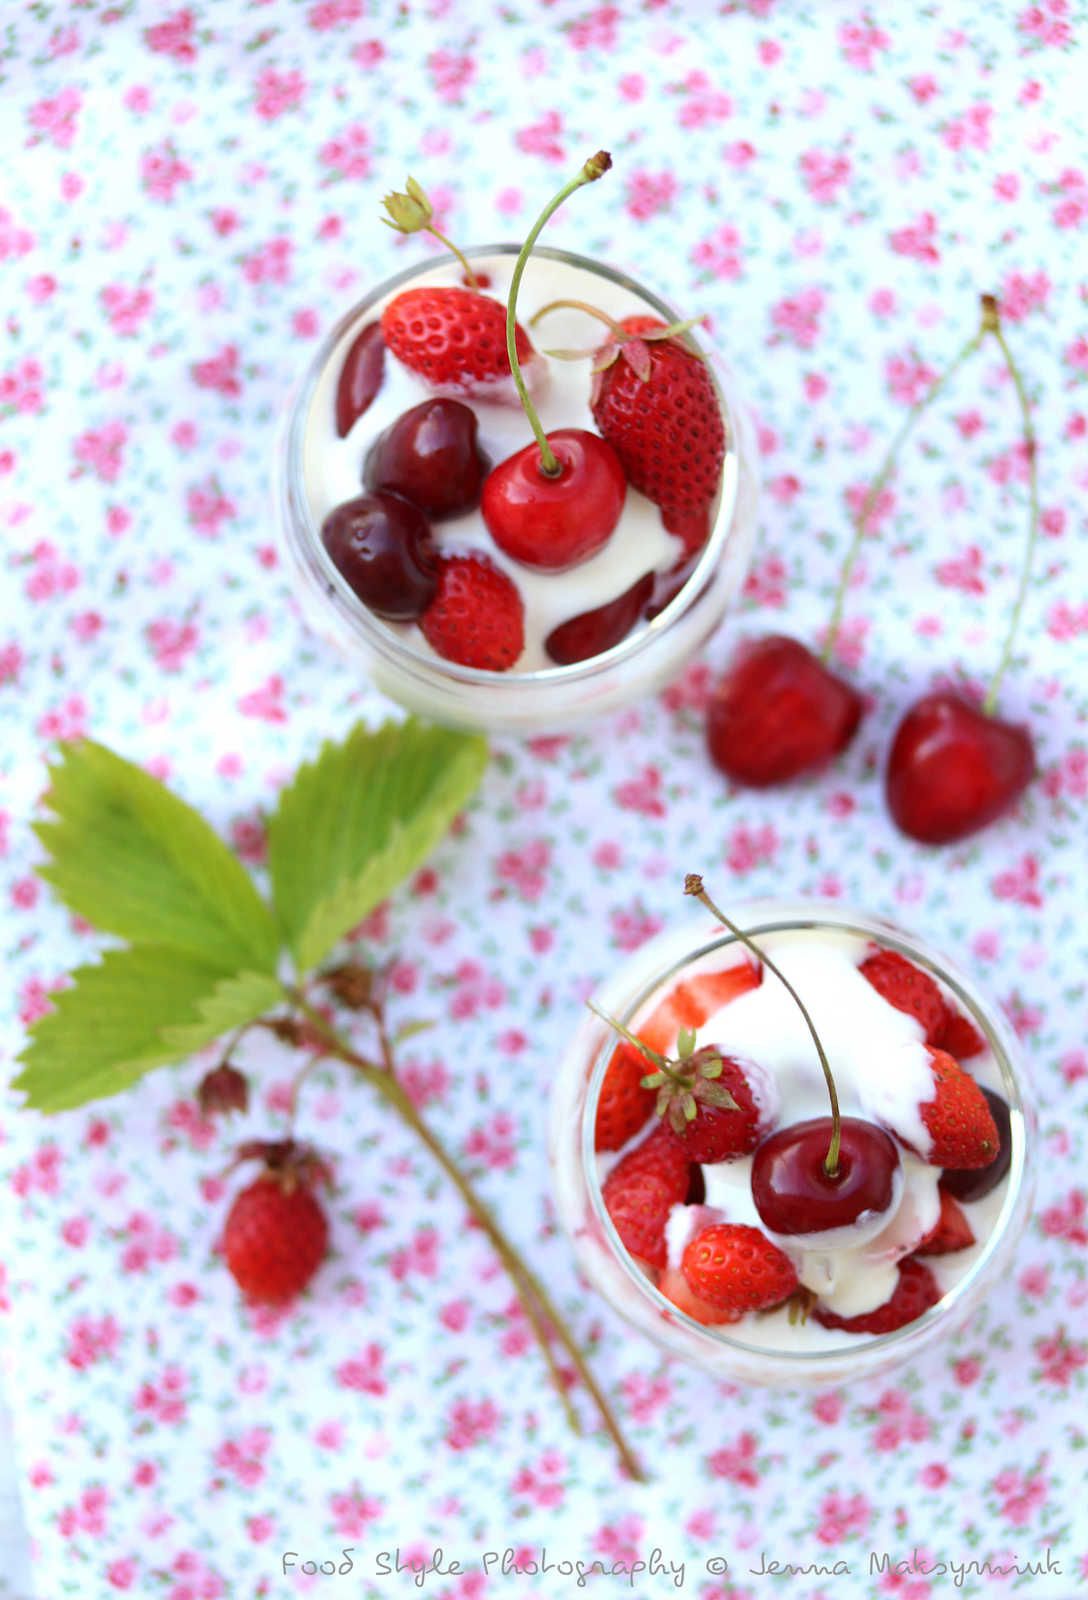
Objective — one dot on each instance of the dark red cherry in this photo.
(592, 632)
(779, 712)
(953, 770)
(793, 1193)
(552, 523)
(360, 377)
(383, 547)
(964, 1184)
(430, 456)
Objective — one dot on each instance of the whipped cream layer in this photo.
(333, 467)
(880, 1064)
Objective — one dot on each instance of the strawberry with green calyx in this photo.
(682, 1083)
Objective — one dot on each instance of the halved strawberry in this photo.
(624, 1105)
(674, 1286)
(951, 1232)
(455, 338)
(476, 617)
(737, 1268)
(956, 1035)
(958, 1118)
(642, 1189)
(907, 988)
(915, 1291)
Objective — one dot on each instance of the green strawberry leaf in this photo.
(136, 1009)
(360, 818)
(136, 861)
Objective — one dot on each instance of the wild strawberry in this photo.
(454, 338)
(642, 1189)
(951, 1232)
(907, 988)
(656, 404)
(915, 1291)
(476, 617)
(962, 1130)
(276, 1234)
(958, 1036)
(737, 1268)
(624, 1105)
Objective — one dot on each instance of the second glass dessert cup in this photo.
(724, 1350)
(554, 697)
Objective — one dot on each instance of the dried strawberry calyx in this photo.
(286, 1161)
(681, 1081)
(625, 343)
(412, 212)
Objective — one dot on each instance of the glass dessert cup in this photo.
(733, 1351)
(545, 698)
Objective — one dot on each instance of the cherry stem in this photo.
(535, 1299)
(594, 168)
(992, 325)
(876, 489)
(473, 281)
(693, 885)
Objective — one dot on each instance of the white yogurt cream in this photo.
(880, 1065)
(333, 466)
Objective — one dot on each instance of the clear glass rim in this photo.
(305, 536)
(996, 1032)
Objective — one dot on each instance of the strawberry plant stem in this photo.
(594, 168)
(994, 327)
(473, 281)
(693, 885)
(876, 488)
(538, 1304)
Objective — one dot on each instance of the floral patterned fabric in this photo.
(190, 198)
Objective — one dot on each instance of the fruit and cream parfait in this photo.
(794, 1152)
(518, 544)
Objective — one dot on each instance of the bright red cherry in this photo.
(792, 1190)
(953, 770)
(360, 377)
(555, 522)
(778, 712)
(431, 457)
(592, 632)
(973, 1183)
(382, 545)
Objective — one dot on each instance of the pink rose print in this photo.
(543, 138)
(243, 1458)
(542, 1485)
(162, 171)
(193, 1579)
(619, 1541)
(471, 1423)
(1047, 23)
(164, 1400)
(21, 388)
(642, 793)
(88, 1516)
(220, 372)
(720, 253)
(348, 155)
(364, 1371)
(1065, 621)
(56, 119)
(702, 103)
(1061, 1358)
(171, 643)
(597, 30)
(645, 1395)
(748, 847)
(796, 319)
(824, 172)
(1020, 1495)
(970, 130)
(860, 42)
(352, 1512)
(270, 263)
(174, 37)
(736, 1462)
(963, 571)
(526, 870)
(451, 74)
(841, 1516)
(918, 239)
(126, 309)
(92, 1339)
(331, 13)
(1023, 293)
(1067, 1219)
(908, 378)
(102, 451)
(420, 1256)
(278, 93)
(208, 507)
(492, 1145)
(649, 193)
(14, 240)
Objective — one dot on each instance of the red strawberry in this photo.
(915, 1291)
(665, 424)
(641, 1190)
(624, 1105)
(717, 1132)
(276, 1234)
(737, 1268)
(951, 1232)
(476, 617)
(455, 338)
(959, 1037)
(907, 988)
(959, 1120)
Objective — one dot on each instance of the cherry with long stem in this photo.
(535, 1299)
(693, 885)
